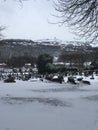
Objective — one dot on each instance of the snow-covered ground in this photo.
(26, 105)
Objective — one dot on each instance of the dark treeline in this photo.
(44, 62)
(79, 57)
(20, 61)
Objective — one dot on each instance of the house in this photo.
(2, 66)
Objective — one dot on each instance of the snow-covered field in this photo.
(26, 105)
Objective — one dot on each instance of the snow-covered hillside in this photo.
(21, 47)
(52, 42)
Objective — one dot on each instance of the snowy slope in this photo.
(26, 105)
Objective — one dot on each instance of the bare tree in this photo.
(81, 14)
(1, 29)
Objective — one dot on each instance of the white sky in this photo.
(30, 20)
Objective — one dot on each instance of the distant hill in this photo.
(18, 47)
(21, 47)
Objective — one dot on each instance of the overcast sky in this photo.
(32, 20)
